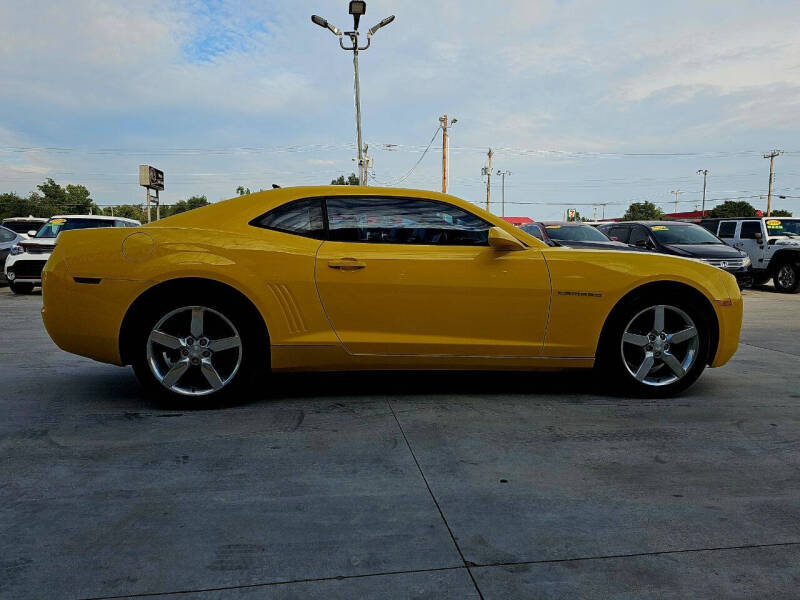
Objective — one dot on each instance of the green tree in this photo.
(188, 204)
(732, 208)
(13, 205)
(780, 213)
(242, 191)
(128, 211)
(643, 211)
(77, 200)
(351, 180)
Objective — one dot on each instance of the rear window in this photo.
(23, 226)
(575, 233)
(301, 217)
(53, 227)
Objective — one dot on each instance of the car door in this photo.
(411, 276)
(751, 242)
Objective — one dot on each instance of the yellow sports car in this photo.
(350, 278)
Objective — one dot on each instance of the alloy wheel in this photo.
(660, 345)
(194, 351)
(786, 276)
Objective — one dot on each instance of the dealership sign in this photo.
(151, 178)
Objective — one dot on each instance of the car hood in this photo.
(785, 241)
(705, 250)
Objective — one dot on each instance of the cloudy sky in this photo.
(585, 102)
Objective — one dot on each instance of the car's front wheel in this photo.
(194, 351)
(787, 278)
(655, 346)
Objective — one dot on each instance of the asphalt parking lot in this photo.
(451, 485)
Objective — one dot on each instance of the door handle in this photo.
(346, 264)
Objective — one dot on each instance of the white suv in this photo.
(772, 243)
(26, 260)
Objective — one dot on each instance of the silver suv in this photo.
(772, 243)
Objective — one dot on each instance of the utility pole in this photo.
(503, 203)
(771, 156)
(704, 173)
(676, 192)
(488, 172)
(357, 9)
(594, 217)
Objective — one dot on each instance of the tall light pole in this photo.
(488, 172)
(357, 8)
(704, 173)
(676, 192)
(503, 187)
(445, 124)
(771, 156)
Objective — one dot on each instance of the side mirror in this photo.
(500, 240)
(758, 235)
(32, 233)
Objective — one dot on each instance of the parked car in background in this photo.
(24, 225)
(682, 239)
(571, 234)
(772, 243)
(23, 267)
(8, 239)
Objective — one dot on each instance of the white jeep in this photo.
(772, 243)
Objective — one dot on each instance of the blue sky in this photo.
(585, 102)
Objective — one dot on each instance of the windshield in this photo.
(683, 234)
(53, 227)
(575, 233)
(790, 227)
(22, 226)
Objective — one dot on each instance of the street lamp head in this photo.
(357, 8)
(317, 20)
(383, 23)
(454, 121)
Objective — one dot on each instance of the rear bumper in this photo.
(85, 318)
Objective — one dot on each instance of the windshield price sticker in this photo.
(660, 228)
(554, 227)
(58, 221)
(775, 224)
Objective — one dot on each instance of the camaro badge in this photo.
(588, 294)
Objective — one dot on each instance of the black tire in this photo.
(220, 311)
(21, 288)
(787, 278)
(615, 361)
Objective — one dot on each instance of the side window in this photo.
(750, 229)
(639, 236)
(6, 236)
(119, 223)
(301, 217)
(533, 230)
(727, 229)
(620, 234)
(403, 221)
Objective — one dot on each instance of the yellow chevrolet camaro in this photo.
(203, 303)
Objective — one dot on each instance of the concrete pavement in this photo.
(449, 485)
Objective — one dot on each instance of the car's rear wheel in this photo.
(192, 351)
(21, 288)
(787, 278)
(655, 346)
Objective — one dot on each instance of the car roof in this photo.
(15, 219)
(652, 223)
(95, 217)
(563, 223)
